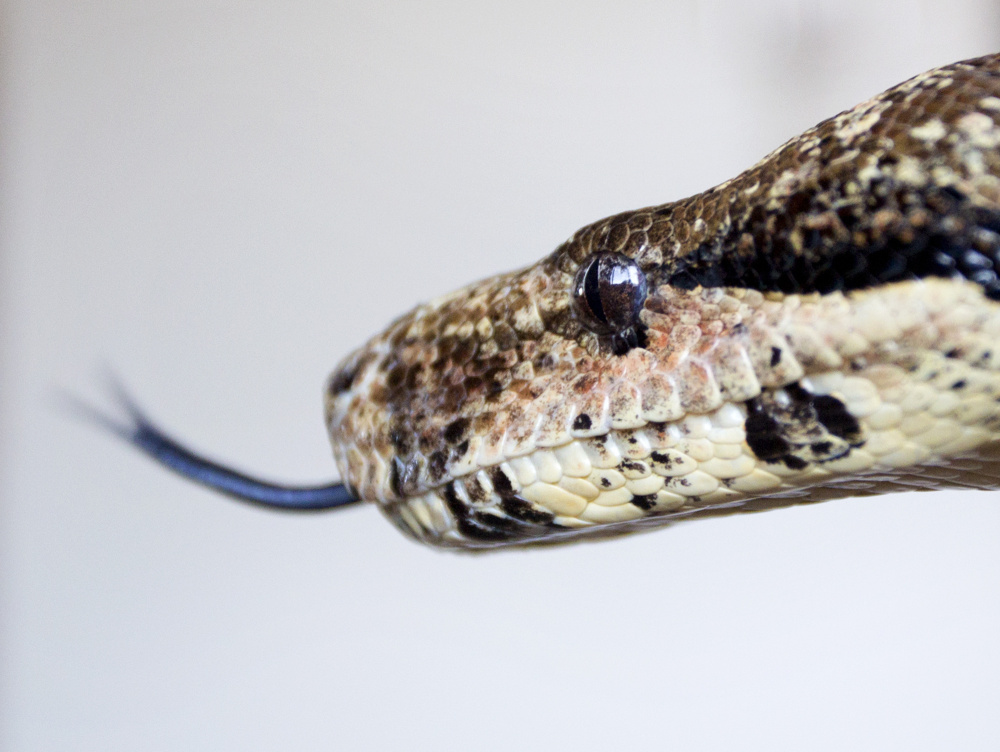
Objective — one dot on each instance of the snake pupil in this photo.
(592, 291)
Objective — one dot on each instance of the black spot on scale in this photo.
(634, 466)
(482, 530)
(462, 448)
(396, 470)
(645, 502)
(764, 434)
(582, 422)
(661, 459)
(626, 341)
(499, 523)
(794, 463)
(401, 438)
(821, 447)
(521, 509)
(455, 431)
(960, 384)
(476, 491)
(775, 356)
(436, 466)
(833, 414)
(344, 379)
(798, 393)
(455, 505)
(501, 482)
(342, 382)
(641, 336)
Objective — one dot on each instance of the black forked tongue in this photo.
(147, 437)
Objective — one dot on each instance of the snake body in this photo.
(824, 324)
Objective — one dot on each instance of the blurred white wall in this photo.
(219, 199)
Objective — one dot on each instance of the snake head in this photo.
(775, 335)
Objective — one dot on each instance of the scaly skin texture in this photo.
(823, 324)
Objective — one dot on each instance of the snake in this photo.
(824, 325)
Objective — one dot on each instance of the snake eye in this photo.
(608, 293)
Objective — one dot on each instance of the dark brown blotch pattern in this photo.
(796, 427)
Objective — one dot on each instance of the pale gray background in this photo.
(220, 199)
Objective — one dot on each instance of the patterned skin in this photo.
(824, 324)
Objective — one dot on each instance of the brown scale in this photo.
(901, 187)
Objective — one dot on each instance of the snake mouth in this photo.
(648, 476)
(566, 491)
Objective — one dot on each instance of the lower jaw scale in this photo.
(654, 475)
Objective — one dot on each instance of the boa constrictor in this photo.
(825, 324)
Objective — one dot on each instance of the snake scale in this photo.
(825, 324)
